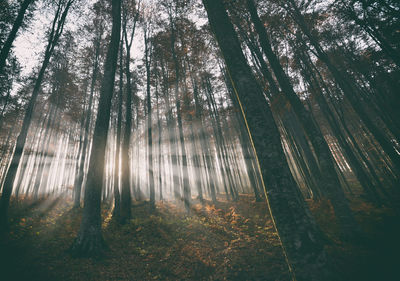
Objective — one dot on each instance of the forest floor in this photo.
(228, 241)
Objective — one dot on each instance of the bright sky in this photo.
(30, 42)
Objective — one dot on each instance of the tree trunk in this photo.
(330, 180)
(13, 33)
(205, 148)
(148, 55)
(89, 241)
(117, 196)
(81, 172)
(301, 239)
(349, 91)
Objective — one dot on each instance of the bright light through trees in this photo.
(245, 121)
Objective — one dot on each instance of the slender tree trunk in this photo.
(125, 184)
(4, 156)
(196, 158)
(159, 127)
(81, 172)
(55, 33)
(205, 148)
(13, 33)
(44, 150)
(186, 188)
(358, 170)
(349, 91)
(148, 55)
(117, 196)
(27, 158)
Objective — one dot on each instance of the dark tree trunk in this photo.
(126, 199)
(220, 143)
(185, 180)
(148, 55)
(159, 127)
(330, 180)
(89, 241)
(186, 188)
(81, 136)
(125, 172)
(81, 172)
(13, 33)
(355, 165)
(196, 158)
(301, 239)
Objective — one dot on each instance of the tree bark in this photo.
(329, 180)
(301, 239)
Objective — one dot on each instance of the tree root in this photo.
(89, 243)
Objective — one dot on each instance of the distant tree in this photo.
(117, 196)
(53, 37)
(130, 17)
(148, 56)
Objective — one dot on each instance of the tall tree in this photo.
(173, 9)
(56, 30)
(90, 240)
(99, 29)
(117, 196)
(5, 50)
(301, 239)
(329, 178)
(148, 58)
(350, 89)
(129, 9)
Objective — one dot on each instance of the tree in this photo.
(55, 33)
(350, 89)
(117, 196)
(98, 31)
(148, 58)
(301, 239)
(329, 179)
(89, 241)
(5, 50)
(173, 9)
(129, 9)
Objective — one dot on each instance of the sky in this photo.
(30, 42)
